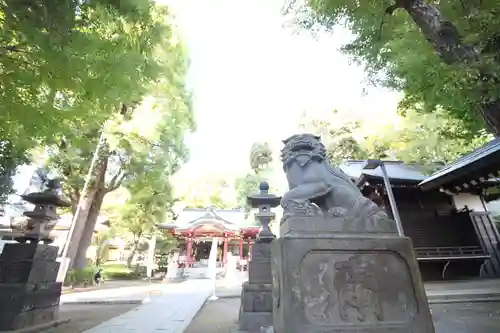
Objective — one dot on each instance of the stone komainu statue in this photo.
(318, 188)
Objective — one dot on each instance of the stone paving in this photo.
(171, 308)
(477, 317)
(170, 312)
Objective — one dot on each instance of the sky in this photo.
(252, 78)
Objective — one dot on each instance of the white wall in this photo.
(474, 202)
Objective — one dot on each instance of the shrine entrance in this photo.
(196, 229)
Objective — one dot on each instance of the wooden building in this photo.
(444, 214)
(197, 228)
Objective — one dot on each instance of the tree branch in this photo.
(442, 34)
(116, 181)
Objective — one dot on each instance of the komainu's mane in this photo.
(303, 145)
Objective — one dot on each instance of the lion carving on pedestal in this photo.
(316, 187)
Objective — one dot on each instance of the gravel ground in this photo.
(86, 316)
(222, 315)
(219, 316)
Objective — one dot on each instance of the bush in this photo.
(119, 272)
(80, 277)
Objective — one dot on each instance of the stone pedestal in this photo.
(29, 293)
(325, 281)
(256, 295)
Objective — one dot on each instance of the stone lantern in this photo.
(29, 293)
(256, 299)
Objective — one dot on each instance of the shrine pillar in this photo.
(224, 253)
(189, 250)
(241, 248)
(249, 256)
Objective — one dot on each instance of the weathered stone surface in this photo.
(29, 295)
(27, 272)
(259, 271)
(348, 283)
(19, 295)
(319, 189)
(299, 225)
(11, 321)
(256, 295)
(29, 251)
(261, 251)
(257, 298)
(253, 321)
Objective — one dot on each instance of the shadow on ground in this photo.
(222, 315)
(84, 317)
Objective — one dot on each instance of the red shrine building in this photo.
(196, 228)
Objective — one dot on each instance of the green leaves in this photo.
(398, 55)
(337, 134)
(63, 65)
(415, 137)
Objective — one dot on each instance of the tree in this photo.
(204, 190)
(102, 244)
(150, 201)
(338, 136)
(424, 139)
(413, 138)
(10, 158)
(158, 121)
(68, 67)
(261, 156)
(398, 44)
(68, 63)
(260, 165)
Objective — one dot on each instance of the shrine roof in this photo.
(483, 162)
(192, 217)
(396, 171)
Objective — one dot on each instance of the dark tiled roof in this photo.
(396, 170)
(464, 165)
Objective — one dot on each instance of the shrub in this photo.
(119, 272)
(80, 277)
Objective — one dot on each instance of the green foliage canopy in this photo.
(398, 54)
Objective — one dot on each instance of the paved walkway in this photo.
(132, 294)
(169, 312)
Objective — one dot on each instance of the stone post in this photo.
(29, 293)
(256, 297)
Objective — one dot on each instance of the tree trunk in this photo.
(87, 200)
(447, 42)
(88, 230)
(132, 254)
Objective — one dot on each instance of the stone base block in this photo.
(40, 328)
(254, 321)
(259, 271)
(257, 297)
(13, 321)
(299, 225)
(15, 252)
(263, 329)
(347, 283)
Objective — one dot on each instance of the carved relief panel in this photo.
(356, 289)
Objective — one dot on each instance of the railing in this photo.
(452, 253)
